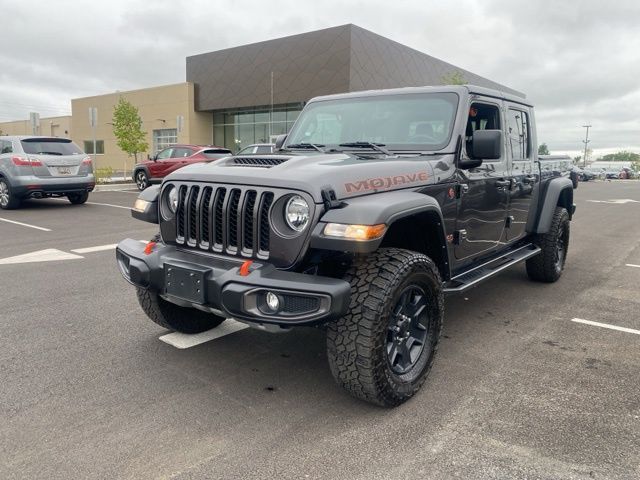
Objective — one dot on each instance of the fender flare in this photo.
(551, 199)
(375, 209)
(137, 168)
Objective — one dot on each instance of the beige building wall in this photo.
(158, 107)
(49, 126)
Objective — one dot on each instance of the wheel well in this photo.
(566, 200)
(421, 233)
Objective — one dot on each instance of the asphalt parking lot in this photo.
(519, 389)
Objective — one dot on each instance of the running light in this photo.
(355, 232)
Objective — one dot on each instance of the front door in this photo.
(483, 203)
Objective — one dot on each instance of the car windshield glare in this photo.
(413, 122)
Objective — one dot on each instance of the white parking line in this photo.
(99, 248)
(182, 340)
(25, 225)
(606, 325)
(94, 203)
(632, 265)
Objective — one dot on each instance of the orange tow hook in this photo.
(149, 248)
(244, 269)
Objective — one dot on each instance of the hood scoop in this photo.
(264, 162)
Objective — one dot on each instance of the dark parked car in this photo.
(374, 207)
(41, 167)
(171, 159)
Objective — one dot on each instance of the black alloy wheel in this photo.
(408, 330)
(141, 180)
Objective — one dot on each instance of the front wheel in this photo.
(174, 317)
(382, 350)
(142, 181)
(548, 265)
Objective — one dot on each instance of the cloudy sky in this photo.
(578, 60)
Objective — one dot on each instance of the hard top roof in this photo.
(464, 89)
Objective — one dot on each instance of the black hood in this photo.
(348, 175)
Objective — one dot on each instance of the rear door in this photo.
(521, 169)
(54, 157)
(482, 208)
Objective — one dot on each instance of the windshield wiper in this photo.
(305, 145)
(374, 146)
(48, 153)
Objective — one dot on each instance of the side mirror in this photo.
(487, 144)
(280, 141)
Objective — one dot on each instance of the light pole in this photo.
(586, 142)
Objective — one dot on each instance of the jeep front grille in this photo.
(224, 219)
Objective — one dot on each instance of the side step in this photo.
(471, 278)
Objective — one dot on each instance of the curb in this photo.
(118, 187)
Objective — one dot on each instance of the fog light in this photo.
(273, 302)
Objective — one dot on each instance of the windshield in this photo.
(400, 122)
(50, 146)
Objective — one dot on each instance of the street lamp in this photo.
(585, 141)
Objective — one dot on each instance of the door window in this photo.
(5, 147)
(518, 131)
(164, 154)
(482, 116)
(181, 153)
(263, 149)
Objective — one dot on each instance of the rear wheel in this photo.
(78, 198)
(549, 264)
(142, 181)
(8, 200)
(382, 350)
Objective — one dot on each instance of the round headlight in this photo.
(296, 213)
(172, 199)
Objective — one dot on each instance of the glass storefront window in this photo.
(235, 129)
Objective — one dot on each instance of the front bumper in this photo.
(215, 284)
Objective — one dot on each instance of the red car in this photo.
(172, 158)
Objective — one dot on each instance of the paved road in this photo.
(518, 389)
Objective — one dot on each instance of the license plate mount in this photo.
(64, 171)
(185, 283)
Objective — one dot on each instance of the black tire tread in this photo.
(78, 198)
(352, 339)
(541, 268)
(175, 317)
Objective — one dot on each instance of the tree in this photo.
(543, 149)
(454, 78)
(127, 128)
(577, 159)
(622, 156)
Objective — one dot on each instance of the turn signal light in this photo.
(355, 232)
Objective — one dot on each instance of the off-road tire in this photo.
(8, 200)
(357, 342)
(546, 266)
(141, 179)
(173, 317)
(78, 198)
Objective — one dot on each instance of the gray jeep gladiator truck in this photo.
(375, 206)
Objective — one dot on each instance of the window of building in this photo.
(164, 137)
(236, 129)
(518, 127)
(88, 147)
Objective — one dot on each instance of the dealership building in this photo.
(252, 93)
